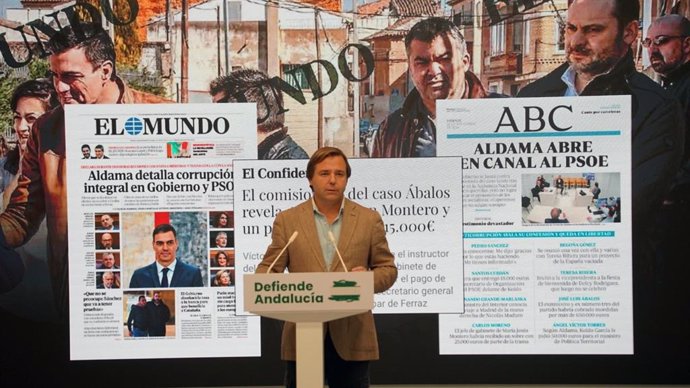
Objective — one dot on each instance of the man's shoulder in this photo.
(408, 109)
(356, 207)
(654, 107)
(641, 84)
(186, 266)
(681, 88)
(297, 209)
(144, 269)
(295, 150)
(287, 148)
(189, 275)
(393, 120)
(548, 85)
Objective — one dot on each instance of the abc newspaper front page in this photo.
(547, 225)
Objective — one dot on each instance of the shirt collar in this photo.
(171, 267)
(569, 75)
(568, 78)
(316, 209)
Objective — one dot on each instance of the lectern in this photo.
(309, 300)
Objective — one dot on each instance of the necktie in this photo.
(164, 282)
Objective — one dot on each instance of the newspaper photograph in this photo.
(151, 243)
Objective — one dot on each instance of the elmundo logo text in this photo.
(138, 126)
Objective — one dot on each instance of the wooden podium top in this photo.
(309, 296)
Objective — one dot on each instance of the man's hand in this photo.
(358, 269)
(426, 144)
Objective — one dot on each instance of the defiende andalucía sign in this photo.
(278, 292)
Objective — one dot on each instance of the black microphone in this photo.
(292, 238)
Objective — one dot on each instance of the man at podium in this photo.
(325, 222)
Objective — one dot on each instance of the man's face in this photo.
(28, 110)
(99, 153)
(108, 260)
(673, 49)
(437, 68)
(86, 151)
(221, 240)
(106, 221)
(593, 42)
(329, 180)
(142, 301)
(156, 298)
(107, 240)
(165, 247)
(108, 280)
(77, 80)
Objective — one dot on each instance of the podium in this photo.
(309, 299)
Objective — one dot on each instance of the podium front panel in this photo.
(310, 296)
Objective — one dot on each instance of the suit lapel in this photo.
(177, 274)
(347, 231)
(154, 273)
(308, 226)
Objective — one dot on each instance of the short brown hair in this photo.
(323, 153)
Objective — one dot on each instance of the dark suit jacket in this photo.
(101, 286)
(100, 266)
(558, 221)
(114, 228)
(185, 275)
(362, 242)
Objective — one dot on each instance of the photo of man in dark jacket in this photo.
(159, 315)
(438, 64)
(601, 63)
(668, 46)
(249, 85)
(598, 35)
(83, 71)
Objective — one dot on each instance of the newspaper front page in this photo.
(547, 225)
(151, 240)
(420, 203)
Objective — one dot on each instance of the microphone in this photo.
(332, 238)
(292, 238)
